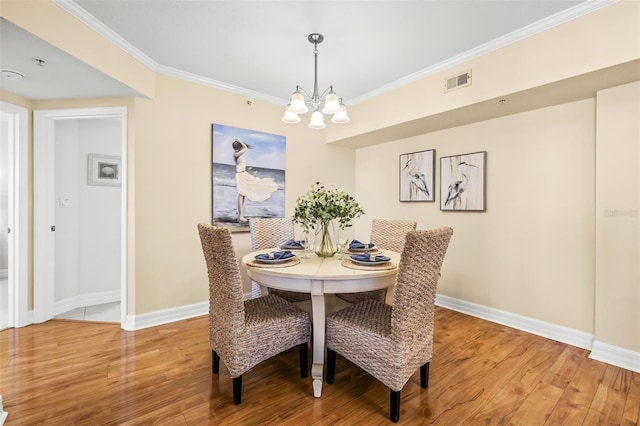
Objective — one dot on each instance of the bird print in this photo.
(457, 188)
(416, 177)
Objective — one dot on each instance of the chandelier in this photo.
(328, 100)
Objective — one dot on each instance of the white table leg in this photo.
(318, 310)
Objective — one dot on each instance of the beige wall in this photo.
(532, 252)
(617, 277)
(173, 182)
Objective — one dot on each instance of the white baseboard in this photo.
(615, 355)
(81, 300)
(604, 352)
(559, 333)
(165, 316)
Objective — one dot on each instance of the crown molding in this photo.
(204, 81)
(560, 18)
(97, 26)
(550, 22)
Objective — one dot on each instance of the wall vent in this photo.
(457, 81)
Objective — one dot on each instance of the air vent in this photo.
(458, 81)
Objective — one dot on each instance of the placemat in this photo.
(294, 261)
(349, 264)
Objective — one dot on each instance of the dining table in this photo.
(320, 276)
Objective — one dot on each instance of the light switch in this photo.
(64, 202)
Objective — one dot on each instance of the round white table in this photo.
(319, 276)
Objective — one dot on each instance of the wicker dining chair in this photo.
(267, 233)
(391, 342)
(386, 234)
(245, 333)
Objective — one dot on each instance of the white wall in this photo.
(67, 235)
(88, 230)
(4, 192)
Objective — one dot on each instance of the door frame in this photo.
(44, 202)
(17, 214)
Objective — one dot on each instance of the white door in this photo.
(13, 215)
(45, 202)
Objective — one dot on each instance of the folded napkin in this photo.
(292, 244)
(355, 244)
(370, 258)
(275, 255)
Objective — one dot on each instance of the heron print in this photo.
(462, 182)
(416, 176)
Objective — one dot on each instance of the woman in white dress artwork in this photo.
(249, 186)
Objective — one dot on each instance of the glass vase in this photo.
(325, 241)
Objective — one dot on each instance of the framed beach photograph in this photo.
(417, 174)
(248, 176)
(462, 182)
(104, 170)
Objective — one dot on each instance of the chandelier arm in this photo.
(327, 90)
(304, 92)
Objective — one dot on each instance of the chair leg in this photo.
(215, 362)
(237, 390)
(304, 359)
(394, 404)
(331, 365)
(424, 375)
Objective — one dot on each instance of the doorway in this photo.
(13, 215)
(99, 177)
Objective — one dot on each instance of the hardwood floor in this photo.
(81, 373)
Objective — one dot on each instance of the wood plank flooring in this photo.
(80, 373)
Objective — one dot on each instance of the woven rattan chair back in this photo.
(226, 307)
(390, 234)
(268, 233)
(416, 284)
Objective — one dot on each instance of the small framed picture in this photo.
(462, 182)
(417, 176)
(104, 170)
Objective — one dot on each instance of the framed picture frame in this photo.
(417, 175)
(462, 182)
(104, 170)
(248, 176)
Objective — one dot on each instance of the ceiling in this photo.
(260, 48)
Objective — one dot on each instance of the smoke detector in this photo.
(12, 74)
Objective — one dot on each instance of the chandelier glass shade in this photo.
(320, 104)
